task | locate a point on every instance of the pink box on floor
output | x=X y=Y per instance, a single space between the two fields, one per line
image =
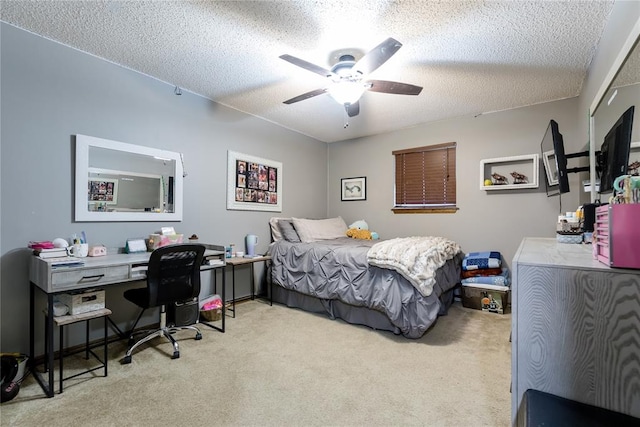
x=618 y=235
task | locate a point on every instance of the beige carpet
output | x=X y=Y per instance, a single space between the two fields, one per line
x=285 y=367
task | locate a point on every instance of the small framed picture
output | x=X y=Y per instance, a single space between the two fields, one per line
x=353 y=188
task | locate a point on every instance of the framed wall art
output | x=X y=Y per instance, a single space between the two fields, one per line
x=353 y=188
x=253 y=183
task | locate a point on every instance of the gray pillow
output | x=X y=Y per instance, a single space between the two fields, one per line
x=289 y=233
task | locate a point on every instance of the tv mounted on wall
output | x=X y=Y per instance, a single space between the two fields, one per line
x=614 y=152
x=554 y=159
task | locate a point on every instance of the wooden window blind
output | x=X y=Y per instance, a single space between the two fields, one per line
x=426 y=177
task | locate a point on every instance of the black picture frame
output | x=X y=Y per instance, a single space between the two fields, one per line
x=352 y=189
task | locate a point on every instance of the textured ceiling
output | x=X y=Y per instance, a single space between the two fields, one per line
x=471 y=57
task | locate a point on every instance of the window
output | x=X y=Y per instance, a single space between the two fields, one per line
x=426 y=179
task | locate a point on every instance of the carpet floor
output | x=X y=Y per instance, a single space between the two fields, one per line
x=277 y=366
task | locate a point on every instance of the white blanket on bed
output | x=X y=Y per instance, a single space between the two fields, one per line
x=415 y=258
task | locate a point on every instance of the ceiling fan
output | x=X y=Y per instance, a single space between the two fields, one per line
x=347 y=78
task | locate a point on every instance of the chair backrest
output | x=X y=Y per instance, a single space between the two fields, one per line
x=173 y=273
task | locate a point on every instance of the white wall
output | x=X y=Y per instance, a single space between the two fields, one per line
x=51 y=92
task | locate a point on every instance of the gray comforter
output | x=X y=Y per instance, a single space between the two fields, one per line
x=338 y=270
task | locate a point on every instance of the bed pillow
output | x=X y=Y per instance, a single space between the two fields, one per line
x=275 y=230
x=288 y=232
x=311 y=230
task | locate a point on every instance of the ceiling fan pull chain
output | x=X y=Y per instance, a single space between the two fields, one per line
x=346 y=116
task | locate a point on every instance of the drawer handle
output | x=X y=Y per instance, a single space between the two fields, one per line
x=92 y=278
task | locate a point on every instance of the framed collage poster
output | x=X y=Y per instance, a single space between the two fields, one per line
x=103 y=190
x=253 y=183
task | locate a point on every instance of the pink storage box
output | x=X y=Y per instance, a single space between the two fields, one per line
x=618 y=235
x=158 y=240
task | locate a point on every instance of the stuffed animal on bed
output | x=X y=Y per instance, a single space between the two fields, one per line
x=360 y=230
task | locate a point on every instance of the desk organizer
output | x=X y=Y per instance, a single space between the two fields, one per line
x=159 y=240
x=618 y=235
x=569 y=238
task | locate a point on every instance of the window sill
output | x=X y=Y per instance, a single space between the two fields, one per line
x=424 y=210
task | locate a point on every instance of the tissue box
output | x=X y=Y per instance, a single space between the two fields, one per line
x=83 y=302
x=159 y=240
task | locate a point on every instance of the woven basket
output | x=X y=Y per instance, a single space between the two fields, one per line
x=211 y=315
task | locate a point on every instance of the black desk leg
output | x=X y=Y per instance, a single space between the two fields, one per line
x=47 y=388
x=233 y=290
x=253 y=284
x=31 y=327
x=224 y=305
x=49 y=344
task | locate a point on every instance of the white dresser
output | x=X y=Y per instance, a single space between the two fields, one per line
x=575 y=327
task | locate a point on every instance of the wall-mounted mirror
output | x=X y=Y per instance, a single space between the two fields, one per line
x=619 y=91
x=116 y=181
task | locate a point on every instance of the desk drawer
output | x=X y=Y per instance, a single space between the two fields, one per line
x=89 y=276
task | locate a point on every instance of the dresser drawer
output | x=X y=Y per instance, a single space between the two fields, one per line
x=89 y=276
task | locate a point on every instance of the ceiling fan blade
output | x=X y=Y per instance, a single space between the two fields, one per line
x=306 y=95
x=377 y=56
x=307 y=65
x=385 y=86
x=352 y=109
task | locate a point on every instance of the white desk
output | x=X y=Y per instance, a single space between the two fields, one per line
x=576 y=327
x=96 y=272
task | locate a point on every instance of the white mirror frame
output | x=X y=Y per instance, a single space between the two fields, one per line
x=82 y=214
x=624 y=53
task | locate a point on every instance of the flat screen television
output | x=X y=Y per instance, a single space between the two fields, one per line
x=554 y=160
x=614 y=152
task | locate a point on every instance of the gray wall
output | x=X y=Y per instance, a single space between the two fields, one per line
x=622 y=19
x=51 y=92
x=486 y=220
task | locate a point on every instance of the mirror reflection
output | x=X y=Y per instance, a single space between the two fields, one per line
x=129 y=182
x=623 y=93
x=124 y=182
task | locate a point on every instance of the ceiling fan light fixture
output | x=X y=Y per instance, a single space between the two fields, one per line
x=346 y=92
x=347 y=79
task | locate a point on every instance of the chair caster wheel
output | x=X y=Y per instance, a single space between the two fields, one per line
x=198 y=336
x=126 y=360
x=176 y=355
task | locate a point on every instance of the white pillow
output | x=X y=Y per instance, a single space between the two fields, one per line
x=311 y=230
x=276 y=234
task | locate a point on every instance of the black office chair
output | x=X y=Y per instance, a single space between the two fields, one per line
x=173 y=276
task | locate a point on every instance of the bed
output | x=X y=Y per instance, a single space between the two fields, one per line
x=323 y=271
